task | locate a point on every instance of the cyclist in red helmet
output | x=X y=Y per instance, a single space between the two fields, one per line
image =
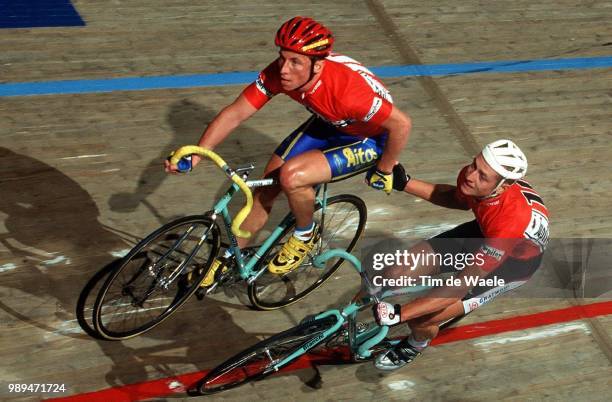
x=305 y=36
x=355 y=127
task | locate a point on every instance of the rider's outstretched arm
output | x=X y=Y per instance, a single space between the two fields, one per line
x=398 y=125
x=438 y=194
x=225 y=122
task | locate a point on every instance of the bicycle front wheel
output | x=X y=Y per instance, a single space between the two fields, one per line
x=261 y=360
x=343 y=220
x=156 y=277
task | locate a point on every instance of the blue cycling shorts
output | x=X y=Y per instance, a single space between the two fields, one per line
x=346 y=154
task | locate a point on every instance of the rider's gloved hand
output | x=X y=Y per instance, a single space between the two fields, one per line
x=379 y=180
x=400 y=177
x=387 y=313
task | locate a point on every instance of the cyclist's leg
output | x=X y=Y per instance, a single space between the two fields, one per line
x=304 y=167
x=307 y=164
x=263 y=199
x=338 y=157
x=464 y=238
x=319 y=153
x=297 y=177
x=427 y=327
x=514 y=272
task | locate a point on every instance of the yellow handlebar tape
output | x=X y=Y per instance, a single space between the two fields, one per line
x=246 y=209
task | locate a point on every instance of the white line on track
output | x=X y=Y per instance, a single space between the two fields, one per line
x=120 y=253
x=7 y=267
x=534 y=334
x=83 y=156
x=402 y=385
x=57 y=260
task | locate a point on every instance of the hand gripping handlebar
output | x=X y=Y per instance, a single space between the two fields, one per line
x=241 y=216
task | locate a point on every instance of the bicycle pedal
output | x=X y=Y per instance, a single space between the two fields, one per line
x=357 y=358
x=200 y=293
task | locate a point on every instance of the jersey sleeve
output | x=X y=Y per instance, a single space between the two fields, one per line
x=264 y=88
x=507 y=237
x=378 y=112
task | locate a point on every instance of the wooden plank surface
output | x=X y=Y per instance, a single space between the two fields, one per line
x=81 y=181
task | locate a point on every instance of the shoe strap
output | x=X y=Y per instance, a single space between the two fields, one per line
x=291 y=249
x=407 y=352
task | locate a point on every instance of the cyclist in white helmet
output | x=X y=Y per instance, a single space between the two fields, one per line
x=506 y=239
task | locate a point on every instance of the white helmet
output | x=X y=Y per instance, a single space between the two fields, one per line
x=506 y=159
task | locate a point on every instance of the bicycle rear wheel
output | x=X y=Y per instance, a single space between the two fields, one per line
x=156 y=277
x=259 y=361
x=343 y=221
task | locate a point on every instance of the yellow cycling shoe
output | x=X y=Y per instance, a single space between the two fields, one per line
x=292 y=254
x=209 y=278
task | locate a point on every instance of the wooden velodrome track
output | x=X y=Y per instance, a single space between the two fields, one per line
x=81 y=181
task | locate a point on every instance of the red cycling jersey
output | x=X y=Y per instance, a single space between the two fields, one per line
x=346 y=95
x=514 y=224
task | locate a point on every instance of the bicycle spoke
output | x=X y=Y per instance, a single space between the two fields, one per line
x=263 y=358
x=343 y=222
x=151 y=281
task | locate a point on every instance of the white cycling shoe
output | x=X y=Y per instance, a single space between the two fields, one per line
x=396 y=357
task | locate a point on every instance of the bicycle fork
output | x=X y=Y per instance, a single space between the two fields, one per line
x=176 y=272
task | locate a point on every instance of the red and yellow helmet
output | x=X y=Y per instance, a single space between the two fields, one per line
x=305 y=36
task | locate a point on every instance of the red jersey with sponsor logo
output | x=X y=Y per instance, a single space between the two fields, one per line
x=346 y=95
x=515 y=223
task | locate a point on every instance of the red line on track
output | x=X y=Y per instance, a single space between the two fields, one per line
x=523 y=322
x=177 y=384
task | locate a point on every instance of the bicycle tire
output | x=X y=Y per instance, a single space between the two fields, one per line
x=109 y=312
x=268 y=281
x=87 y=323
x=251 y=365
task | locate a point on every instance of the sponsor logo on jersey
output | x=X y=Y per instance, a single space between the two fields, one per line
x=259 y=84
x=537 y=229
x=492 y=252
x=376 y=86
x=376 y=104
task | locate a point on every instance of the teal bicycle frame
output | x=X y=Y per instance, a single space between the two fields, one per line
x=360 y=344
x=246 y=268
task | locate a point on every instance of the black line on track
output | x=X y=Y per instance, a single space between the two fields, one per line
x=409 y=56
